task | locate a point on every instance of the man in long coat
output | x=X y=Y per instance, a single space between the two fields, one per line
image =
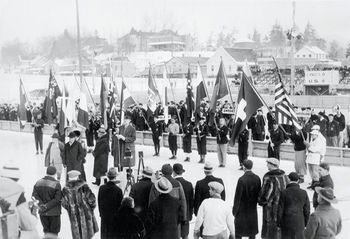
x=157 y=132
x=164 y=214
x=109 y=200
x=274 y=182
x=101 y=155
x=293 y=209
x=245 y=203
x=80 y=202
x=122 y=142
x=73 y=154
x=202 y=188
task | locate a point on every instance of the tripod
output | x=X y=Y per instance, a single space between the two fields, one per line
x=141 y=163
x=130 y=180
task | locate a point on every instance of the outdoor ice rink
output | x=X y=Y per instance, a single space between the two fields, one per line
x=20 y=148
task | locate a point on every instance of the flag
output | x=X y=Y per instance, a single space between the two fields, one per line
x=22 y=111
x=189 y=99
x=50 y=105
x=112 y=99
x=220 y=91
x=125 y=100
x=284 y=111
x=201 y=92
x=153 y=94
x=63 y=118
x=103 y=102
x=247 y=71
x=249 y=101
x=83 y=115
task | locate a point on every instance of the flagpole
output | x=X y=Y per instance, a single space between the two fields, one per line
x=204 y=83
x=155 y=84
x=171 y=87
x=228 y=86
x=24 y=90
x=79 y=43
x=87 y=87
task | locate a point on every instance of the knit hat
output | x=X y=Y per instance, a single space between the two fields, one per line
x=51 y=170
x=217 y=187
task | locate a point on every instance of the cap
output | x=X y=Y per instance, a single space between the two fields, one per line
x=55 y=136
x=273 y=161
x=315 y=127
x=73 y=174
x=293 y=176
x=163 y=185
x=178 y=168
x=72 y=135
x=324 y=166
x=101 y=130
x=51 y=170
x=217 y=187
x=167 y=169
x=314 y=131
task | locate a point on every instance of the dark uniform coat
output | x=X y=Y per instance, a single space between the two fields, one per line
x=118 y=152
x=73 y=156
x=187 y=138
x=245 y=205
x=109 y=198
x=202 y=191
x=164 y=217
x=325 y=182
x=140 y=193
x=293 y=212
x=100 y=153
x=202 y=131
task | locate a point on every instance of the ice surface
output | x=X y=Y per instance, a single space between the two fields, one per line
x=20 y=148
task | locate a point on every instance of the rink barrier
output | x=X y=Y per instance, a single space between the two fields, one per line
x=334 y=155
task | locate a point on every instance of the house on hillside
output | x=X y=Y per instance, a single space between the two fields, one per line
x=177 y=67
x=312 y=52
x=232 y=59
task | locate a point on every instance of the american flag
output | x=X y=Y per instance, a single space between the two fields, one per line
x=285 y=113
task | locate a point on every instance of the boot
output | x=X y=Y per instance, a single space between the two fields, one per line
x=97 y=182
x=201 y=159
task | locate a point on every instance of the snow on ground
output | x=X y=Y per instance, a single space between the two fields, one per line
x=20 y=148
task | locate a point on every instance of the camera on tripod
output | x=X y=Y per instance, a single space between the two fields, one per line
x=129 y=173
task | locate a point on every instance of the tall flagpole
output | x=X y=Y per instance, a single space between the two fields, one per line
x=79 y=44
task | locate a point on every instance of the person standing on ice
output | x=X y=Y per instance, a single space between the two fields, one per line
x=38 y=124
x=80 y=202
x=53 y=156
x=73 y=154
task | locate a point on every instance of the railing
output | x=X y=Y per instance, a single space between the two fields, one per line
x=334 y=155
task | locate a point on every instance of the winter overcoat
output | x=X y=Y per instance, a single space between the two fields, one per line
x=100 y=153
x=293 y=212
x=163 y=218
x=73 y=156
x=47 y=155
x=118 y=151
x=202 y=131
x=140 y=193
x=273 y=183
x=187 y=138
x=245 y=205
x=80 y=202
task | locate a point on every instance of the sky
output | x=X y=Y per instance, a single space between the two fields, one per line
x=29 y=20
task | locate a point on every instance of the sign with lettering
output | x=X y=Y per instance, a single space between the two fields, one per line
x=322 y=77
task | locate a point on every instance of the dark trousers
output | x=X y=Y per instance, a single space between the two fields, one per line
x=242 y=152
x=173 y=144
x=51 y=224
x=273 y=152
x=259 y=137
x=38 y=136
x=185 y=229
x=156 y=143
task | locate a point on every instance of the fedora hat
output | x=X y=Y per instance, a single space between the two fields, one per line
x=101 y=130
x=208 y=167
x=147 y=172
x=327 y=194
x=163 y=185
x=273 y=161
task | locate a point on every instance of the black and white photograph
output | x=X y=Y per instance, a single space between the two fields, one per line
x=174 y=119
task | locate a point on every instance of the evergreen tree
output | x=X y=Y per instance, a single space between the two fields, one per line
x=277 y=36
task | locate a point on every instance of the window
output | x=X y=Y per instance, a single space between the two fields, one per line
x=303 y=56
x=229 y=68
x=310 y=55
x=212 y=67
